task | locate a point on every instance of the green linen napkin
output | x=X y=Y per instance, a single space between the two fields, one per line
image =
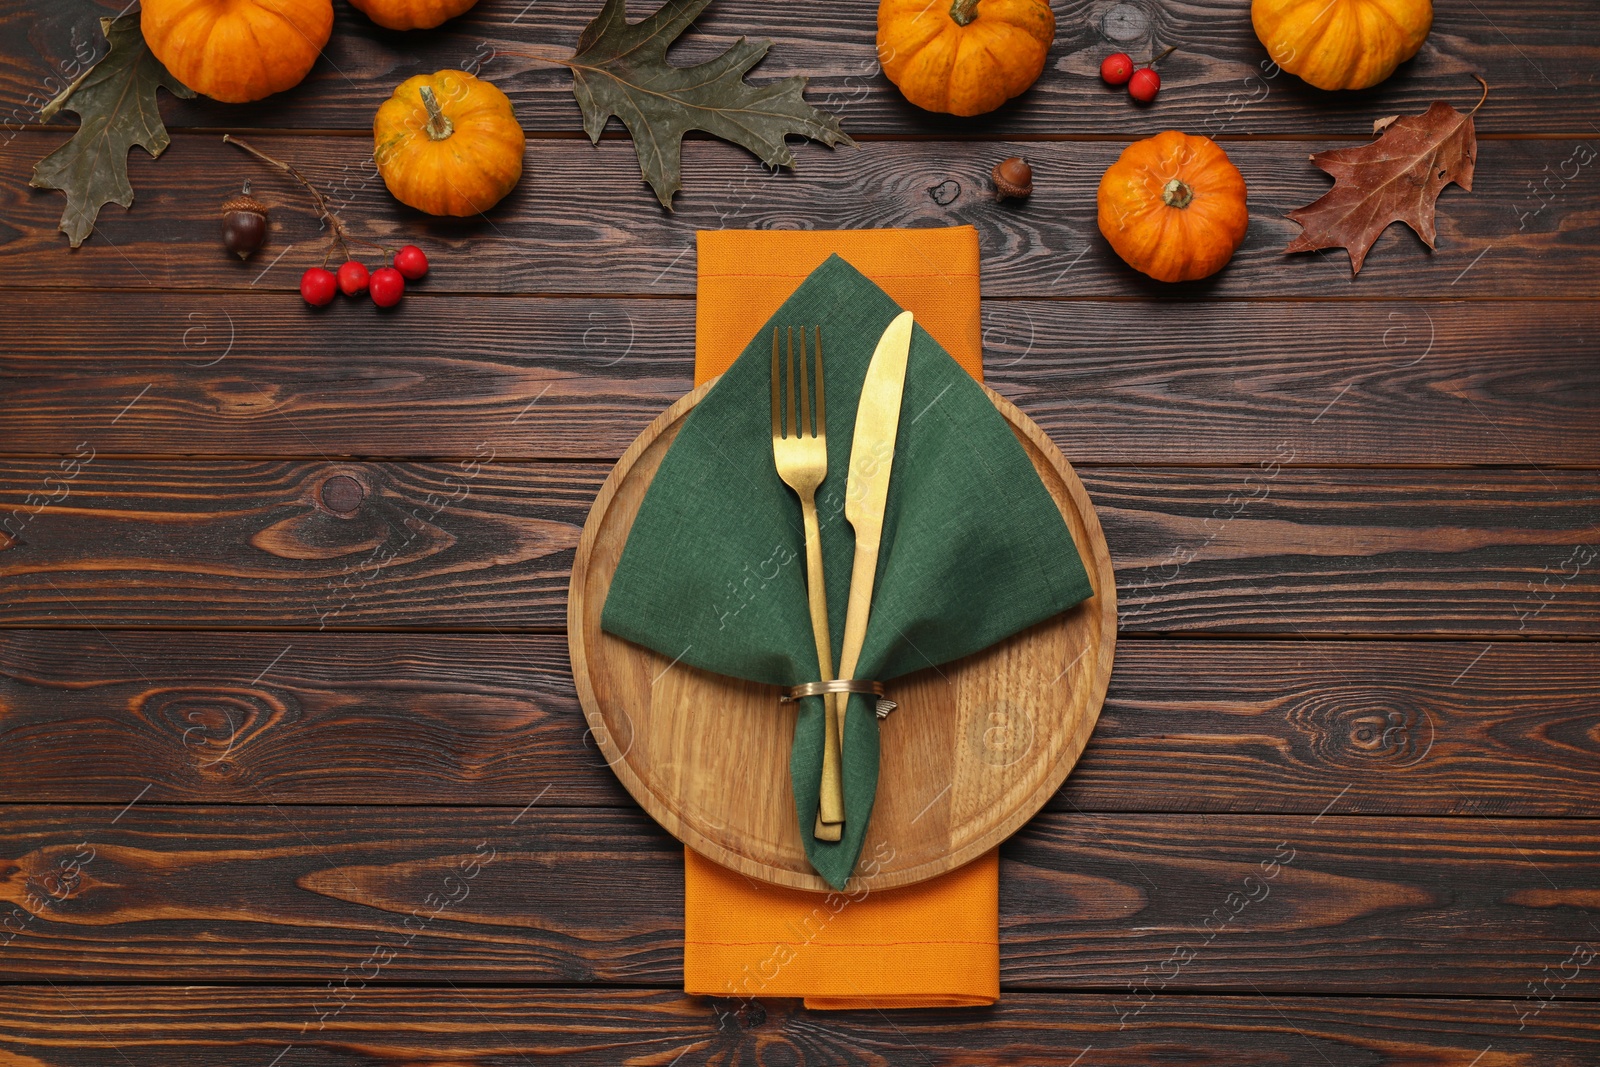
x=973 y=550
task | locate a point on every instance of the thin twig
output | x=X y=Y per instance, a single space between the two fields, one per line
x=335 y=224
x=542 y=59
x=1171 y=48
x=1482 y=98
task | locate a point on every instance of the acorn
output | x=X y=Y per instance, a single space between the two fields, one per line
x=244 y=224
x=1012 y=177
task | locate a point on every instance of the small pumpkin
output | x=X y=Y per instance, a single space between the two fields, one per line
x=967 y=58
x=1173 y=207
x=411 y=14
x=448 y=143
x=237 y=50
x=1341 y=44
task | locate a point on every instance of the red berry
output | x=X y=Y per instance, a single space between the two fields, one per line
x=1144 y=85
x=388 y=286
x=411 y=262
x=353 y=277
x=318 y=286
x=1116 y=68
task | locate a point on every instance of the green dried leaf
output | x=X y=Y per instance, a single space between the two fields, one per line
x=116 y=103
x=622 y=70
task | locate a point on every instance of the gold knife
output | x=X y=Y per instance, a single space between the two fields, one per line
x=867 y=488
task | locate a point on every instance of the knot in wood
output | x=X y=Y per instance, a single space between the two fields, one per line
x=1125 y=22
x=1372 y=730
x=342 y=494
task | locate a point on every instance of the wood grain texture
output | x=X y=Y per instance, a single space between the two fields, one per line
x=464 y=545
x=323 y=718
x=1267 y=549
x=1112 y=382
x=1249 y=865
x=1392 y=728
x=495 y=1027
x=707 y=756
x=1280 y=904
x=1386 y=727
x=260 y=373
x=1539 y=67
x=580 y=221
x=1327 y=552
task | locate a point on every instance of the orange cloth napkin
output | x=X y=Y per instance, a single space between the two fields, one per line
x=931 y=945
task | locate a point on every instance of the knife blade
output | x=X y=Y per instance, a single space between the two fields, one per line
x=867 y=487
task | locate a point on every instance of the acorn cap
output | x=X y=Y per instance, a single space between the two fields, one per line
x=245 y=202
x=1012 y=177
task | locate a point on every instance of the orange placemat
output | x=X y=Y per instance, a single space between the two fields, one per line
x=934 y=944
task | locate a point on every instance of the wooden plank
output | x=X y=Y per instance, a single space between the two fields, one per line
x=1390 y=728
x=255 y=373
x=1325 y=552
x=1426 y=728
x=477 y=546
x=1111 y=381
x=1275 y=904
x=463 y=545
x=1214 y=82
x=321 y=718
x=246 y=1027
x=581 y=221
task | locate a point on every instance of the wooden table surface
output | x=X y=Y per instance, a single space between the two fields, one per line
x=282 y=663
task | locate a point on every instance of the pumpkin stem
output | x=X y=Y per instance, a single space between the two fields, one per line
x=1176 y=194
x=963 y=11
x=439 y=125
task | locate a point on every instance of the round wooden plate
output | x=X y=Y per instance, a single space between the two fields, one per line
x=977 y=746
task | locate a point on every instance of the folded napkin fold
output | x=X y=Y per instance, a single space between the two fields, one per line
x=974 y=550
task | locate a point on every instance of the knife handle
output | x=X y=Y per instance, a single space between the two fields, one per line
x=832 y=794
x=862 y=575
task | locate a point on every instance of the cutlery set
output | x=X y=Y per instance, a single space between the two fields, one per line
x=800 y=454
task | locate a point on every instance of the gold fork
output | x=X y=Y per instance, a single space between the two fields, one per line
x=800 y=453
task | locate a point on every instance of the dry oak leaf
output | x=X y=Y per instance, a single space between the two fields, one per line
x=622 y=70
x=116 y=101
x=1395 y=178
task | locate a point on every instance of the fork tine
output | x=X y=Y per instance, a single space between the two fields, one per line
x=793 y=430
x=777 y=430
x=806 y=429
x=822 y=410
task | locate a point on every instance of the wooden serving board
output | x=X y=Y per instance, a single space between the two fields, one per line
x=977 y=746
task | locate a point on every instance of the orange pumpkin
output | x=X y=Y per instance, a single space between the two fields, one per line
x=411 y=14
x=237 y=50
x=1341 y=44
x=967 y=58
x=1173 y=206
x=448 y=144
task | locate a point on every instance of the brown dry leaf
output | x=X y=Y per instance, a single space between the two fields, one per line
x=1379 y=125
x=1395 y=178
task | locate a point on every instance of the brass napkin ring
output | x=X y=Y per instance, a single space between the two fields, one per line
x=840 y=685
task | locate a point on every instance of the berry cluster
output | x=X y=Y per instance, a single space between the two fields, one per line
x=1143 y=84
x=244 y=226
x=386 y=285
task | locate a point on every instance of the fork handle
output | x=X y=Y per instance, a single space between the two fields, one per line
x=830 y=809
